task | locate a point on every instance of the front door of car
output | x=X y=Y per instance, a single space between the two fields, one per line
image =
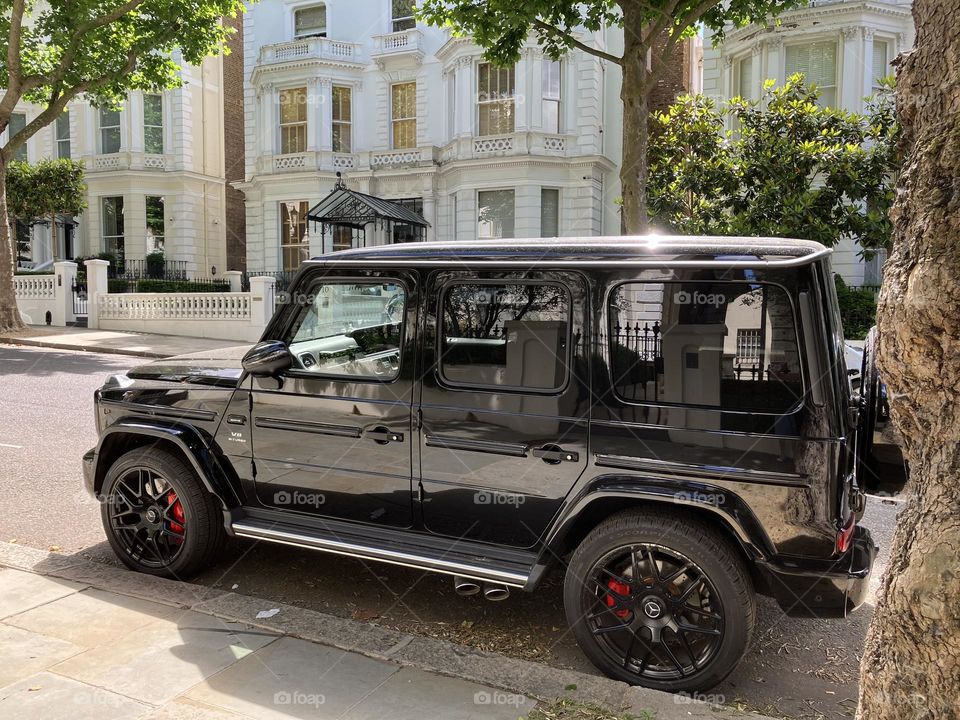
x=504 y=402
x=331 y=436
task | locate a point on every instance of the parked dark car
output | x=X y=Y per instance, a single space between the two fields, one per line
x=667 y=420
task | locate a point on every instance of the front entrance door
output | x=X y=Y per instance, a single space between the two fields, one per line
x=504 y=402
x=332 y=436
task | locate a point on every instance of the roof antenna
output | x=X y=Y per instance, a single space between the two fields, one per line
x=339 y=185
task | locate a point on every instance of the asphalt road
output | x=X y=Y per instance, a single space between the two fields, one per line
x=795 y=668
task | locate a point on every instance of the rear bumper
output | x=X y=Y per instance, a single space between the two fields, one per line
x=823 y=588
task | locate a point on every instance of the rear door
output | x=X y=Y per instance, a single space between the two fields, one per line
x=504 y=402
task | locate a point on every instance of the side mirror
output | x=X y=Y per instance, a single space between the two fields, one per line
x=268 y=359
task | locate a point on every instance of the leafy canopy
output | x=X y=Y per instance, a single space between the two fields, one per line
x=791 y=168
x=50 y=187
x=54 y=50
x=502 y=26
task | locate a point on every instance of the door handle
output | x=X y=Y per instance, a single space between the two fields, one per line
x=553 y=454
x=383 y=436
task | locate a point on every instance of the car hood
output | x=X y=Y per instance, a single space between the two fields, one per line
x=220 y=367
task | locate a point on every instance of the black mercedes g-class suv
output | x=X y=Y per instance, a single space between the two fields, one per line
x=668 y=420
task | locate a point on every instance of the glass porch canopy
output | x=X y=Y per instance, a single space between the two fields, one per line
x=346 y=214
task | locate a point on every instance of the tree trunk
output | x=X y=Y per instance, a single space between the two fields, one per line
x=911 y=663
x=9 y=314
x=634 y=92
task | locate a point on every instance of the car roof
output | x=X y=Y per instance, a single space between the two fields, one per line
x=641 y=250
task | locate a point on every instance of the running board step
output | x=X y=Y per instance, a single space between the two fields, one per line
x=407 y=548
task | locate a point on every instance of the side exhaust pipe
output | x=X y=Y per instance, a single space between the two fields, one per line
x=465 y=586
x=495 y=593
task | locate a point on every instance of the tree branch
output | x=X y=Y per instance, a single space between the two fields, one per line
x=58 y=103
x=545 y=27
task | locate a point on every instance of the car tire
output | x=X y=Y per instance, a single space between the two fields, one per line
x=641 y=632
x=158 y=516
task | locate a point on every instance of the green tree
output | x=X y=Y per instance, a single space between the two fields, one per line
x=790 y=168
x=58 y=50
x=651 y=31
x=40 y=192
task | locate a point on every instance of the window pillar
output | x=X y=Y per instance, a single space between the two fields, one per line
x=466 y=96
x=267 y=137
x=325 y=114
x=536 y=102
x=523 y=94
x=854 y=65
x=135 y=141
x=868 y=75
x=314 y=111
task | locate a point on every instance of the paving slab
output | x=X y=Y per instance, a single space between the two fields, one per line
x=293 y=678
x=413 y=694
x=187 y=709
x=126 y=582
x=101 y=615
x=20 y=591
x=165 y=658
x=26 y=653
x=22 y=557
x=46 y=696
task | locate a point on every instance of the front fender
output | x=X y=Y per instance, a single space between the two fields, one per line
x=720 y=503
x=127 y=433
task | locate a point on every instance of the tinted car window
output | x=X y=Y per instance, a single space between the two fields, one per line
x=510 y=335
x=350 y=329
x=715 y=344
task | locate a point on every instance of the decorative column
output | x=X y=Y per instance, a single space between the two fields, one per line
x=135 y=141
x=774 y=67
x=314 y=110
x=868 y=77
x=96 y=287
x=65 y=272
x=464 y=98
x=325 y=114
x=756 y=71
x=523 y=91
x=535 y=103
x=850 y=84
x=266 y=123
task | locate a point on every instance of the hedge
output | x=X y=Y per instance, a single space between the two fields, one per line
x=858 y=310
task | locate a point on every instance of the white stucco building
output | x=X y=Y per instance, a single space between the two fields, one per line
x=843 y=46
x=407 y=112
x=154 y=172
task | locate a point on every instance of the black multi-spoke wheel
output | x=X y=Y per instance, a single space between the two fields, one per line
x=659 y=600
x=159 y=519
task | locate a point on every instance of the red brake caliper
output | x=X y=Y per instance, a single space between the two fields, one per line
x=179 y=519
x=621 y=589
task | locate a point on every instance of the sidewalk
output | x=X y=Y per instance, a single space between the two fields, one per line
x=86 y=640
x=111 y=341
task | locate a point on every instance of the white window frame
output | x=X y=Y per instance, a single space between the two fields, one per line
x=282 y=126
x=155 y=243
x=481 y=235
x=161 y=126
x=739 y=79
x=510 y=99
x=887 y=44
x=101 y=128
x=309 y=6
x=394 y=120
x=559 y=205
x=304 y=242
x=548 y=97
x=343 y=123
x=837 y=69
x=58 y=141
x=23 y=153
x=123 y=235
x=403 y=19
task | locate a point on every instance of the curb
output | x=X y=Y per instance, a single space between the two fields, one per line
x=424 y=653
x=35 y=342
